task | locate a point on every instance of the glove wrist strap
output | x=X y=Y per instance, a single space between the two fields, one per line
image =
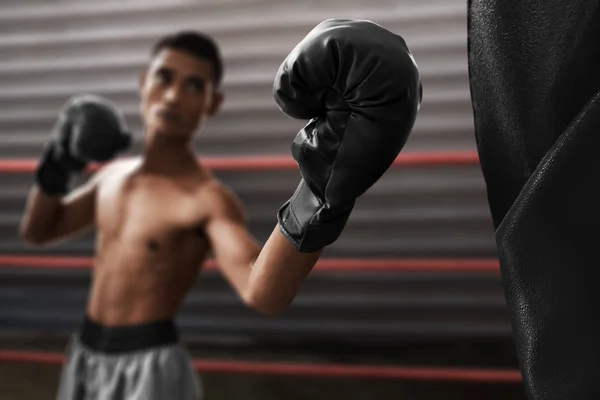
x=51 y=176
x=308 y=223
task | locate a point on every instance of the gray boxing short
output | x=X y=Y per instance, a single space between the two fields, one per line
x=142 y=362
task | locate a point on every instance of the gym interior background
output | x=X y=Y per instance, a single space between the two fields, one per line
x=411 y=291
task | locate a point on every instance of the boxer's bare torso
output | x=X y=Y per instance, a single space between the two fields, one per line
x=151 y=233
x=150 y=241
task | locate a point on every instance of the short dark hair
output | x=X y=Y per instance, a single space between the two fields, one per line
x=197 y=44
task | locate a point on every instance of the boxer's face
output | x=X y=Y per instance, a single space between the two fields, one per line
x=177 y=93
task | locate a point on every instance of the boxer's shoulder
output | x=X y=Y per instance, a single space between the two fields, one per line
x=114 y=177
x=121 y=167
x=219 y=199
x=124 y=166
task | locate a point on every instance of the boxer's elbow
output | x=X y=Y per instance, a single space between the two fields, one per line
x=265 y=303
x=266 y=309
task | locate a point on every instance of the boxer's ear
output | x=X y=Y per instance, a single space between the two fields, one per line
x=217 y=101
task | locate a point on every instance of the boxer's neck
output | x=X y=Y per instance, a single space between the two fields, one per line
x=168 y=156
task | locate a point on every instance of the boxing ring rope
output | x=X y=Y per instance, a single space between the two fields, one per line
x=464 y=375
x=280 y=162
x=329 y=264
x=267 y=163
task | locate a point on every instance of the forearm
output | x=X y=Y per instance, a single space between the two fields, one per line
x=41 y=216
x=235 y=250
x=277 y=274
x=266 y=278
x=238 y=274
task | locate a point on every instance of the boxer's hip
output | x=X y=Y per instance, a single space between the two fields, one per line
x=145 y=361
x=127 y=339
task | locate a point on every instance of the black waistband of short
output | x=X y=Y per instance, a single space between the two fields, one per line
x=121 y=339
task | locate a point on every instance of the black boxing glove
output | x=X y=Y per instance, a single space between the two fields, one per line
x=89 y=129
x=360 y=86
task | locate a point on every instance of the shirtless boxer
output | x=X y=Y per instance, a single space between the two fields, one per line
x=158 y=216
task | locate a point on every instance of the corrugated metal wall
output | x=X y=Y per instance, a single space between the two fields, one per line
x=50 y=50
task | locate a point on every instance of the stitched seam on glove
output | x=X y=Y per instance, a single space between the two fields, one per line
x=308 y=137
x=286 y=233
x=290 y=211
x=335 y=159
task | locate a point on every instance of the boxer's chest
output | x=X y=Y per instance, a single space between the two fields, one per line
x=148 y=211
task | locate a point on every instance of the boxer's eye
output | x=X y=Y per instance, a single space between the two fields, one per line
x=195 y=85
x=163 y=76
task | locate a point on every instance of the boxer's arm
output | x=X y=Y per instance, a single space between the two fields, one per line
x=88 y=129
x=266 y=279
x=234 y=249
x=278 y=274
x=48 y=219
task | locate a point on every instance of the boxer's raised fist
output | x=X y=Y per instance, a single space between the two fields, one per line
x=89 y=129
x=360 y=86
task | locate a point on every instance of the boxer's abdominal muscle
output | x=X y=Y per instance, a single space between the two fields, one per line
x=149 y=249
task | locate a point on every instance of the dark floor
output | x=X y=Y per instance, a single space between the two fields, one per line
x=38 y=382
x=29 y=382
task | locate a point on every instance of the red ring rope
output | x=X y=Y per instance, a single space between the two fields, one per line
x=279 y=162
x=331 y=264
x=313 y=370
